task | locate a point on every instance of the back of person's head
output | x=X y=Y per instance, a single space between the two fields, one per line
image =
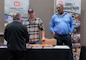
x=16 y=16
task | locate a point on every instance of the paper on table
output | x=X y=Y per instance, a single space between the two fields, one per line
x=3 y=46
x=48 y=47
x=61 y=47
x=37 y=47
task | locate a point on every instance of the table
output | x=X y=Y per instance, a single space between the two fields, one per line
x=41 y=54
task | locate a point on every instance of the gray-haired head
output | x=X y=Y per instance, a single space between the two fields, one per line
x=61 y=5
x=16 y=16
x=60 y=8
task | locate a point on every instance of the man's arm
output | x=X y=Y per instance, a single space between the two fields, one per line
x=43 y=35
x=51 y=25
x=26 y=35
x=41 y=27
x=5 y=34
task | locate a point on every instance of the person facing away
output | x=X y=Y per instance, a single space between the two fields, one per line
x=77 y=24
x=34 y=25
x=16 y=35
x=61 y=26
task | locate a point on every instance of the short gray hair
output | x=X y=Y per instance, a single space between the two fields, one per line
x=16 y=16
x=60 y=5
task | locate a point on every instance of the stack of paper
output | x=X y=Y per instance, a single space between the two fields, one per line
x=61 y=47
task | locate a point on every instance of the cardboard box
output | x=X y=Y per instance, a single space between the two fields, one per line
x=51 y=41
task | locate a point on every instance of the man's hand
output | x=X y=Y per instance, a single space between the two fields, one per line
x=27 y=44
x=43 y=39
x=71 y=33
x=53 y=33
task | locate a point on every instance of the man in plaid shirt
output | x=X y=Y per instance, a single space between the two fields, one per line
x=34 y=26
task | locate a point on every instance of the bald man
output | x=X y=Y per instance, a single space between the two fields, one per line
x=61 y=26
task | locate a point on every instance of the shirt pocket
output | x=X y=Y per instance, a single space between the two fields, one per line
x=57 y=21
x=66 y=20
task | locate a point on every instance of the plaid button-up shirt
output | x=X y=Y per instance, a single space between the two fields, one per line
x=34 y=27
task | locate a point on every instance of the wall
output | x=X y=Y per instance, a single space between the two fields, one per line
x=83 y=30
x=83 y=23
x=1 y=21
x=44 y=9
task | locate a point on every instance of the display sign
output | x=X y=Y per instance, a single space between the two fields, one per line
x=12 y=6
x=71 y=5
